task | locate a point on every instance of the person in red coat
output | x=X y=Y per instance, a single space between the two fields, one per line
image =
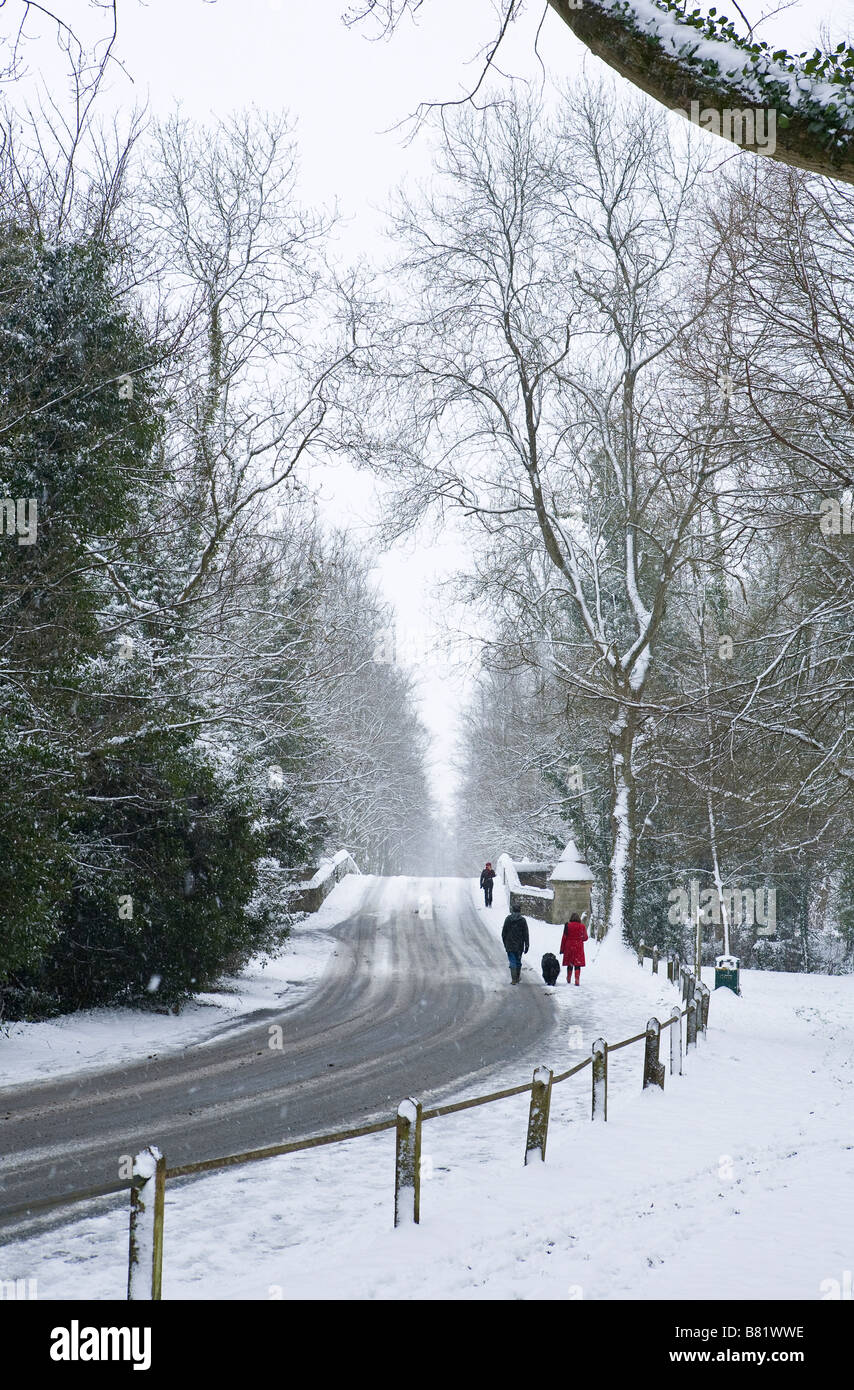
x=572 y=947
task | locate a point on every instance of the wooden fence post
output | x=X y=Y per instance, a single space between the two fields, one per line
x=641 y=952
x=145 y=1245
x=691 y=1025
x=676 y=1041
x=655 y=960
x=538 y=1115
x=705 y=995
x=407 y=1169
x=599 y=1068
x=653 y=1070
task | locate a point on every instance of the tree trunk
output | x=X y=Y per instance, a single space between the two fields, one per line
x=616 y=37
x=621 y=868
x=710 y=805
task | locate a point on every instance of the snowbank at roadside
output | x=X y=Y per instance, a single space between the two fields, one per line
x=96 y=1038
x=735 y=1182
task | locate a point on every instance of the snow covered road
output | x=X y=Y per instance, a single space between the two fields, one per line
x=414 y=998
x=735 y=1183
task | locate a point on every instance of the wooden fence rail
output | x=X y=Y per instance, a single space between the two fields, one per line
x=145 y=1260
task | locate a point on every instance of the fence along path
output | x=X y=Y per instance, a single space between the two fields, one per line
x=150 y=1173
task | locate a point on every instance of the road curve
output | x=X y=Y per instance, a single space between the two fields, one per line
x=415 y=998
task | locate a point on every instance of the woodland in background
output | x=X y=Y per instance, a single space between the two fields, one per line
x=190 y=708
x=627 y=363
x=638 y=376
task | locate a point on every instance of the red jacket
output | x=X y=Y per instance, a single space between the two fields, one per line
x=572 y=943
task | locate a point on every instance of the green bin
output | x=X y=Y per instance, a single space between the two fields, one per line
x=726 y=973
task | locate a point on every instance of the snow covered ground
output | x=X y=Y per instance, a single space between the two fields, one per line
x=93 y=1038
x=736 y=1181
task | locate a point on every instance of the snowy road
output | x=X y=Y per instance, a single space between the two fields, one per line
x=415 y=998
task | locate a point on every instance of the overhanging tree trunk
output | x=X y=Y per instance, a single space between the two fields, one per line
x=615 y=36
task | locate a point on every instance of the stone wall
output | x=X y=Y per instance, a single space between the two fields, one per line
x=529 y=900
x=310 y=895
x=531 y=905
x=527 y=890
x=534 y=878
x=569 y=898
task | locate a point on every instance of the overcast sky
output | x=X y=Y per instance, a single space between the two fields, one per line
x=349 y=97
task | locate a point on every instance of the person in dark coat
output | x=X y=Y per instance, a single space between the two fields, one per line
x=572 y=947
x=486 y=878
x=514 y=934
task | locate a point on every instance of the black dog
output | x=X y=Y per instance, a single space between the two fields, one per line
x=550 y=967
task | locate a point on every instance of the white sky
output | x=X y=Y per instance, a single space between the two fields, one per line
x=348 y=95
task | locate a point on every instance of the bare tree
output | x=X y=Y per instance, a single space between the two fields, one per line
x=682 y=56
x=540 y=371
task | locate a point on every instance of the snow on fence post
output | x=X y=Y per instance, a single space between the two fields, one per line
x=655 y=960
x=145 y=1246
x=676 y=1041
x=691 y=1025
x=641 y=952
x=407 y=1171
x=599 y=1068
x=538 y=1115
x=653 y=1070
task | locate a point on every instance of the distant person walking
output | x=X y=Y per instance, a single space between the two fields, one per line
x=514 y=934
x=486 y=877
x=572 y=947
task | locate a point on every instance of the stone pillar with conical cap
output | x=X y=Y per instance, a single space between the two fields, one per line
x=571 y=881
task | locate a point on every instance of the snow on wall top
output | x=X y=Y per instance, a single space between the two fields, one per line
x=506 y=869
x=328 y=867
x=507 y=872
x=571 y=867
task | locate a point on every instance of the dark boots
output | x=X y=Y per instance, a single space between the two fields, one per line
x=515 y=972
